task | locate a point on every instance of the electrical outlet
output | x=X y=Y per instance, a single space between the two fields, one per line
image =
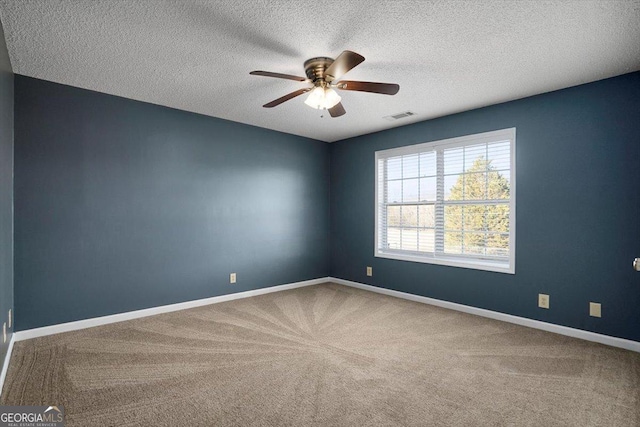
x=232 y=278
x=543 y=300
x=369 y=271
x=595 y=309
x=9 y=316
x=4 y=332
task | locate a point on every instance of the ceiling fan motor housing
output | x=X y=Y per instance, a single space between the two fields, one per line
x=315 y=68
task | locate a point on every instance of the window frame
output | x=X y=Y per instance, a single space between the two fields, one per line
x=452 y=260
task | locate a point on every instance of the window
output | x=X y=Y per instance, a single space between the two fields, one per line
x=449 y=202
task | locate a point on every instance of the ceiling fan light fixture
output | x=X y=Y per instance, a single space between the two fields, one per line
x=325 y=74
x=323 y=98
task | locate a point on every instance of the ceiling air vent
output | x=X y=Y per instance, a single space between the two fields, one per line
x=399 y=116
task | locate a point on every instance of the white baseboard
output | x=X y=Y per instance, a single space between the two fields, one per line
x=550 y=327
x=5 y=365
x=97 y=321
x=120 y=317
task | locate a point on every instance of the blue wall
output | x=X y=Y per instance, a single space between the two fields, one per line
x=122 y=205
x=6 y=192
x=578 y=209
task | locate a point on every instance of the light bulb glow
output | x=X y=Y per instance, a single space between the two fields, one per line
x=315 y=98
x=322 y=98
x=331 y=98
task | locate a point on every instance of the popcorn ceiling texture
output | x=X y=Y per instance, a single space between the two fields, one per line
x=447 y=56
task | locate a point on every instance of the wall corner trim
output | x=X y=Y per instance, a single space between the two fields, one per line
x=120 y=317
x=5 y=365
x=523 y=321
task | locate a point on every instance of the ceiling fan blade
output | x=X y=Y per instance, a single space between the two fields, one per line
x=337 y=110
x=278 y=75
x=287 y=97
x=373 y=87
x=346 y=61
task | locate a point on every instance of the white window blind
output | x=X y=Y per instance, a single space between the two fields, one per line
x=449 y=202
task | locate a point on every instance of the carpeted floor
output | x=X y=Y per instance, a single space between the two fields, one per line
x=324 y=355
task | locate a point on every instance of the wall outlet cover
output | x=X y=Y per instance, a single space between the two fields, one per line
x=232 y=278
x=595 y=309
x=543 y=300
x=369 y=271
x=10 y=316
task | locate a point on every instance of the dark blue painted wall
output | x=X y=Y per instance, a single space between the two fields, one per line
x=578 y=209
x=122 y=205
x=6 y=192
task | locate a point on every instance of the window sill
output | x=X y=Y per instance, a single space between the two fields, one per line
x=486 y=265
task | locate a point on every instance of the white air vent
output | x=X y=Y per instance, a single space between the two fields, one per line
x=399 y=116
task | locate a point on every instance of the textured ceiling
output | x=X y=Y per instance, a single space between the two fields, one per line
x=447 y=56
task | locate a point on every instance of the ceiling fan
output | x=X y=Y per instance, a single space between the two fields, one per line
x=324 y=74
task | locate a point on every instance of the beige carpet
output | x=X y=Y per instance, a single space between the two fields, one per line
x=324 y=355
